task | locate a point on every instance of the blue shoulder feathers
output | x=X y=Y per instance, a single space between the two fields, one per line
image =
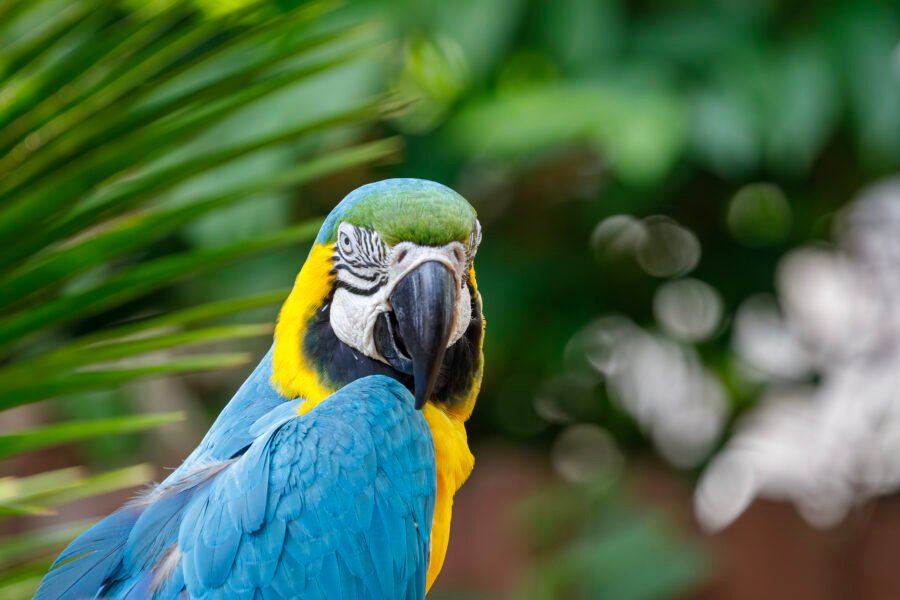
x=334 y=504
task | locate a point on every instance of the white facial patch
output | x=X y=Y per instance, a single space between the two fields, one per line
x=366 y=272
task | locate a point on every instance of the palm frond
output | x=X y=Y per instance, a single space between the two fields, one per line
x=74 y=431
x=41 y=494
x=100 y=110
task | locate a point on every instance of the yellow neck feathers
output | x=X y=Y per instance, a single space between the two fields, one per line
x=454 y=462
x=292 y=374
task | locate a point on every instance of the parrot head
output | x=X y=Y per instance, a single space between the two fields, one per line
x=388 y=288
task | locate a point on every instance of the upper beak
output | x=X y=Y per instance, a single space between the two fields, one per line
x=424 y=304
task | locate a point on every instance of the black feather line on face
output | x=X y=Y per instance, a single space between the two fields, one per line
x=346 y=267
x=358 y=291
x=363 y=258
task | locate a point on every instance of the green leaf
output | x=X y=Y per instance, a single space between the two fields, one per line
x=143 y=228
x=94 y=485
x=54 y=193
x=164 y=179
x=53 y=88
x=582 y=34
x=204 y=312
x=107 y=68
x=54 y=488
x=64 y=23
x=83 y=348
x=16 y=549
x=802 y=109
x=25 y=374
x=725 y=131
x=114 y=84
x=11 y=10
x=71 y=383
x=12 y=578
x=73 y=431
x=37 y=238
x=25 y=586
x=13 y=509
x=641 y=131
x=142 y=279
x=124 y=130
x=56 y=267
x=16 y=490
x=482 y=29
x=864 y=41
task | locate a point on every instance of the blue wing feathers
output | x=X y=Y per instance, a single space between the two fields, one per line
x=334 y=504
x=155 y=529
x=83 y=568
x=233 y=429
x=325 y=483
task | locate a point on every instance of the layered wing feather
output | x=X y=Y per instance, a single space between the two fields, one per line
x=231 y=431
x=334 y=504
x=102 y=546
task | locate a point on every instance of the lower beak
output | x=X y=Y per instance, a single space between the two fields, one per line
x=424 y=306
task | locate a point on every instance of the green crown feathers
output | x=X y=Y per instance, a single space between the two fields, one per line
x=411 y=210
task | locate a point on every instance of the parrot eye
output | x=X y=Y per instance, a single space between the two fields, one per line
x=345 y=241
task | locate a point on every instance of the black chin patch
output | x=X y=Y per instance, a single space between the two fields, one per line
x=462 y=362
x=340 y=364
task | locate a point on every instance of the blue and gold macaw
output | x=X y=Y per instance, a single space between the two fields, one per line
x=331 y=473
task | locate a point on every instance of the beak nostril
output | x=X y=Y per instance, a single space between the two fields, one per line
x=401 y=254
x=459 y=255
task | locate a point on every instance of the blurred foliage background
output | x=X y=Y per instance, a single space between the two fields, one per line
x=643 y=172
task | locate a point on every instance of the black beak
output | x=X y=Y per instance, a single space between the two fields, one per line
x=414 y=337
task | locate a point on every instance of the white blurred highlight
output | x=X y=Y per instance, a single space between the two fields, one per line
x=668 y=249
x=688 y=309
x=765 y=344
x=829 y=447
x=661 y=246
x=662 y=384
x=586 y=453
x=617 y=235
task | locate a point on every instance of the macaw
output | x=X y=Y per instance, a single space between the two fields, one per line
x=331 y=472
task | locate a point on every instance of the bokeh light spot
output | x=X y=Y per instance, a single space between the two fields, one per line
x=617 y=236
x=667 y=249
x=759 y=215
x=586 y=453
x=688 y=309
